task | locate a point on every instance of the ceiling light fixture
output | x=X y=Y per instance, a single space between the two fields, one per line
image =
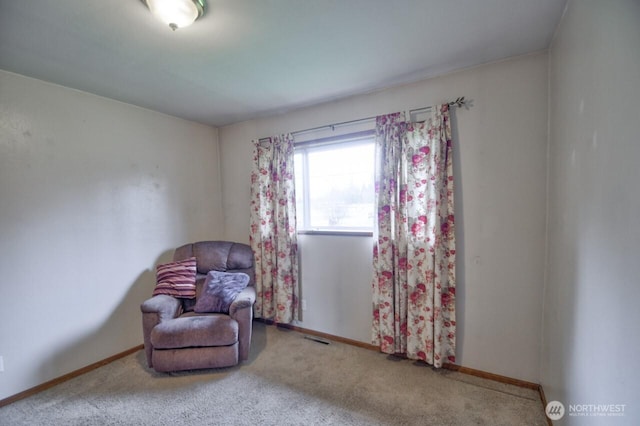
x=176 y=13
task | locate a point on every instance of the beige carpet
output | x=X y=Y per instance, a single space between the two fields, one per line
x=289 y=380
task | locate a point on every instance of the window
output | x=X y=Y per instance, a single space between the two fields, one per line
x=335 y=184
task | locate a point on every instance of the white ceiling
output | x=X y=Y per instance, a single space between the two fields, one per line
x=251 y=58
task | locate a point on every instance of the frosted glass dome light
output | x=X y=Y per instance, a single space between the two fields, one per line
x=176 y=13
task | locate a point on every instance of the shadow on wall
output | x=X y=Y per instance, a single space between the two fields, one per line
x=114 y=335
x=127 y=316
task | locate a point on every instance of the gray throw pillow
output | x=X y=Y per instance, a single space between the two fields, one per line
x=220 y=290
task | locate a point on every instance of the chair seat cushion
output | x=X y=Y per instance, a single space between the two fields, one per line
x=190 y=331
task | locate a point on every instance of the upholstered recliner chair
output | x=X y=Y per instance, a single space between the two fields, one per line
x=177 y=338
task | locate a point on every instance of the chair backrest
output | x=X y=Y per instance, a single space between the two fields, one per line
x=225 y=256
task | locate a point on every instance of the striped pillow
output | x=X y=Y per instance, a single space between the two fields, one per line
x=177 y=279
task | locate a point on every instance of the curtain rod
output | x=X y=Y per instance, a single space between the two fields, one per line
x=457 y=103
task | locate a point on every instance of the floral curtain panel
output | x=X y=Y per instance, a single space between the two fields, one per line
x=273 y=235
x=414 y=253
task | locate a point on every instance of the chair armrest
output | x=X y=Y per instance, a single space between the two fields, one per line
x=241 y=310
x=245 y=299
x=166 y=307
x=155 y=310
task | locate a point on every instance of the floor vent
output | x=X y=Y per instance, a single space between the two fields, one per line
x=317 y=339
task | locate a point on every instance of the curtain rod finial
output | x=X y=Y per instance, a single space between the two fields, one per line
x=459 y=102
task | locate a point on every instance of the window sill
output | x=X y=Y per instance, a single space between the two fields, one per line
x=336 y=233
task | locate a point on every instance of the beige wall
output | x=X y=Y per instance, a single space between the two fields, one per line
x=93 y=193
x=591 y=315
x=500 y=211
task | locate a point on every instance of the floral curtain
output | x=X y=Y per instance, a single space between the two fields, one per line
x=414 y=253
x=273 y=229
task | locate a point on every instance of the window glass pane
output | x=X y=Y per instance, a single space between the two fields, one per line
x=341 y=186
